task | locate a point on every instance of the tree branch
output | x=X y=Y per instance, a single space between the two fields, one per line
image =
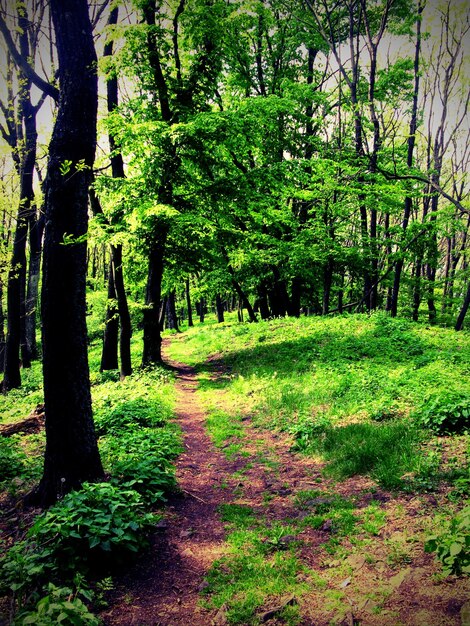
x=22 y=63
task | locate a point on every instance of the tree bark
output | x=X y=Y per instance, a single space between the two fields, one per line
x=109 y=352
x=71 y=456
x=463 y=310
x=219 y=306
x=188 y=304
x=36 y=230
x=16 y=335
x=152 y=344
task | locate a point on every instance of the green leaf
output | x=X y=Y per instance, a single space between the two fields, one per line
x=455 y=548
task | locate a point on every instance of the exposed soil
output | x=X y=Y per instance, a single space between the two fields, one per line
x=371 y=589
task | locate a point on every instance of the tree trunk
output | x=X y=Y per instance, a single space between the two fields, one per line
x=36 y=230
x=152 y=352
x=17 y=274
x=188 y=304
x=327 y=282
x=117 y=168
x=263 y=301
x=219 y=305
x=71 y=456
x=123 y=310
x=463 y=310
x=417 y=291
x=109 y=353
x=202 y=306
x=409 y=161
x=172 y=318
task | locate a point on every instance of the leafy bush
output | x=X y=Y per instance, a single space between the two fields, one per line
x=163 y=443
x=452 y=547
x=153 y=478
x=61 y=605
x=11 y=458
x=130 y=414
x=88 y=529
x=142 y=461
x=445 y=413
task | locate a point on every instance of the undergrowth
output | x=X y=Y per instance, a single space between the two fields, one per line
x=55 y=574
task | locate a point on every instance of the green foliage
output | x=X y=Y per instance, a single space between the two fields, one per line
x=61 y=605
x=12 y=458
x=445 y=412
x=142 y=460
x=136 y=413
x=88 y=529
x=452 y=546
x=384 y=451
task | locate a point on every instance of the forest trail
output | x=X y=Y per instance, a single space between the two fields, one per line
x=163 y=587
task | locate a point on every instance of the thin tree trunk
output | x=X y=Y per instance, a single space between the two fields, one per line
x=109 y=353
x=188 y=304
x=36 y=230
x=125 y=323
x=172 y=318
x=219 y=305
x=152 y=340
x=202 y=306
x=463 y=310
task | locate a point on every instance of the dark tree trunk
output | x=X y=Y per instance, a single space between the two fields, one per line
x=417 y=291
x=152 y=352
x=16 y=335
x=123 y=310
x=36 y=229
x=244 y=300
x=117 y=168
x=219 y=305
x=411 y=145
x=2 y=332
x=71 y=456
x=162 y=313
x=202 y=307
x=172 y=318
x=263 y=301
x=327 y=282
x=109 y=353
x=463 y=310
x=296 y=293
x=188 y=304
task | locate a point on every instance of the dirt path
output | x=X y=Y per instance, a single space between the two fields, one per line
x=163 y=588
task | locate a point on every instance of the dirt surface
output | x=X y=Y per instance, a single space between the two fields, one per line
x=163 y=588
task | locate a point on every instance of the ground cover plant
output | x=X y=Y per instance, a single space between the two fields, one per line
x=54 y=571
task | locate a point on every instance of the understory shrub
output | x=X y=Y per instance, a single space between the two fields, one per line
x=131 y=414
x=445 y=413
x=142 y=460
x=452 y=546
x=61 y=605
x=90 y=529
x=12 y=458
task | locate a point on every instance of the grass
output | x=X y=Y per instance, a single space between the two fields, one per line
x=258 y=570
x=346 y=388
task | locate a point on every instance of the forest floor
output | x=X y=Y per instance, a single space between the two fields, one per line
x=377 y=575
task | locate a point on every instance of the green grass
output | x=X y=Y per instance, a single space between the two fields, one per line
x=258 y=570
x=346 y=388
